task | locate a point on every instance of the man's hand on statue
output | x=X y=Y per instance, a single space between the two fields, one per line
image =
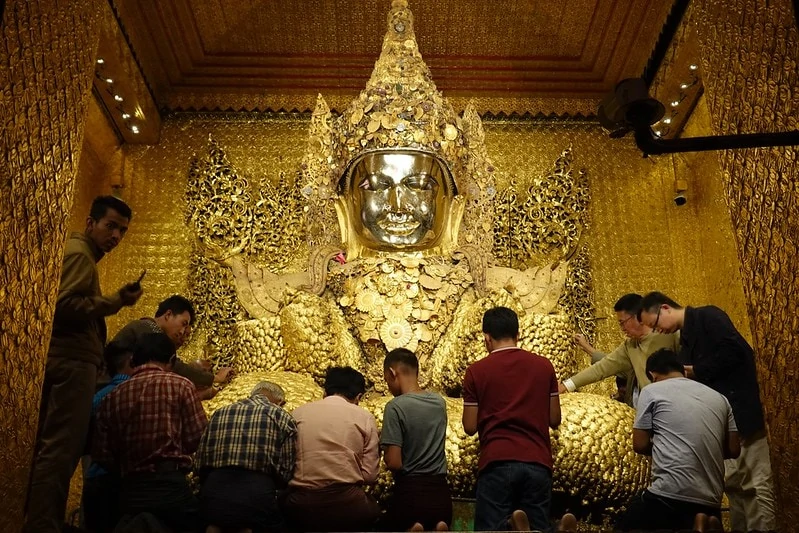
x=582 y=342
x=130 y=294
x=223 y=375
x=207 y=393
x=562 y=388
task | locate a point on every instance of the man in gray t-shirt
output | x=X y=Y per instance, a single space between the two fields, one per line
x=412 y=438
x=416 y=422
x=689 y=430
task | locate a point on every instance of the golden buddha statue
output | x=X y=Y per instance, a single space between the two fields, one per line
x=397 y=196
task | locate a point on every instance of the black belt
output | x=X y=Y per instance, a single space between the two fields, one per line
x=169 y=465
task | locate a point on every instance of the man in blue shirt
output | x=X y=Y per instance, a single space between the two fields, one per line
x=101 y=488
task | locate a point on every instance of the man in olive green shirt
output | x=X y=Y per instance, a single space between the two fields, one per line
x=73 y=358
x=630 y=355
x=174 y=316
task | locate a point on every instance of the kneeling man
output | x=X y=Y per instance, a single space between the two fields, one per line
x=337 y=453
x=689 y=430
x=246 y=454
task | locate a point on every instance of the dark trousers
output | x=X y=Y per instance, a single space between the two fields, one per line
x=64 y=414
x=165 y=495
x=505 y=486
x=425 y=499
x=649 y=511
x=235 y=499
x=333 y=508
x=101 y=502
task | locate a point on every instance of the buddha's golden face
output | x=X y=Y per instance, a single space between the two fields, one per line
x=399 y=199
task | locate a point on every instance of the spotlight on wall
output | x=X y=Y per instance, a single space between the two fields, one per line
x=628 y=104
x=630 y=108
x=680 y=190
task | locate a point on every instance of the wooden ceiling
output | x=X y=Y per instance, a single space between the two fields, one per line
x=539 y=57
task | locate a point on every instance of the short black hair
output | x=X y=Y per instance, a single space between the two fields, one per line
x=153 y=347
x=653 y=300
x=401 y=357
x=344 y=380
x=102 y=204
x=114 y=355
x=501 y=323
x=629 y=303
x=663 y=361
x=178 y=305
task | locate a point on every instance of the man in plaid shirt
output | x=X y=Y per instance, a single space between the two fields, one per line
x=146 y=430
x=245 y=455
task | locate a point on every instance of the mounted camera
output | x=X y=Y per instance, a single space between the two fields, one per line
x=680 y=189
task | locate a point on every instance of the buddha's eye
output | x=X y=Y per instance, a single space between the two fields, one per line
x=420 y=182
x=376 y=182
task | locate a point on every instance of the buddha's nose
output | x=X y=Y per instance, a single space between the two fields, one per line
x=396 y=198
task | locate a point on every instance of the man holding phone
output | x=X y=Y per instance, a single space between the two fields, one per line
x=75 y=353
x=174 y=316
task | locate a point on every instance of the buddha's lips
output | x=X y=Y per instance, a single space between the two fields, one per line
x=401 y=224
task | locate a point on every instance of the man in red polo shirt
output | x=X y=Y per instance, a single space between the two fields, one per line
x=511 y=399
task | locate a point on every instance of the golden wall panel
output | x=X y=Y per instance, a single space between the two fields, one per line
x=155 y=180
x=750 y=52
x=639 y=240
x=706 y=189
x=46 y=64
x=97 y=157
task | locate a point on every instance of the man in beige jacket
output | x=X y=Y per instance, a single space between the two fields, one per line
x=73 y=359
x=630 y=355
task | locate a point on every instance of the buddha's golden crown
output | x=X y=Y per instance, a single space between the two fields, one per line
x=400 y=108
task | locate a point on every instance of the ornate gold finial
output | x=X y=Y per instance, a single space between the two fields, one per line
x=400 y=108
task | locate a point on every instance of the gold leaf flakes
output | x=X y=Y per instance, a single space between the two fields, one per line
x=429 y=282
x=450 y=132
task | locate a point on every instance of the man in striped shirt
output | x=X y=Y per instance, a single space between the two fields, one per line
x=146 y=430
x=247 y=454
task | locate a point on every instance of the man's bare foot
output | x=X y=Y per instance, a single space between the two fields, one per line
x=518 y=521
x=714 y=524
x=568 y=523
x=700 y=522
x=442 y=526
x=417 y=527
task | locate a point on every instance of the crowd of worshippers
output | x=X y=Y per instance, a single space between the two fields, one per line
x=261 y=468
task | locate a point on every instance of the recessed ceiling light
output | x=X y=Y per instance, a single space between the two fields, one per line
x=109 y=80
x=100 y=61
x=117 y=98
x=125 y=116
x=675 y=103
x=134 y=129
x=693 y=67
x=667 y=121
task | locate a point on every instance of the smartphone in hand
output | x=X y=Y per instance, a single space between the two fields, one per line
x=136 y=285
